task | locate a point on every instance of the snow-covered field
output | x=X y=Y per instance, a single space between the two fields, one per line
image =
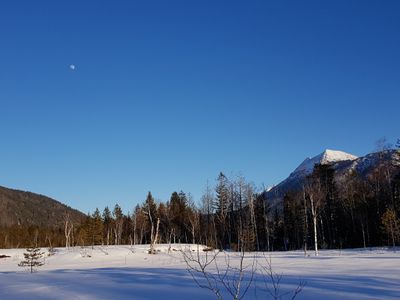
x=123 y=272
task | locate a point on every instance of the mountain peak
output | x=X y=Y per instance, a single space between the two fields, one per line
x=329 y=156
x=326 y=157
x=343 y=164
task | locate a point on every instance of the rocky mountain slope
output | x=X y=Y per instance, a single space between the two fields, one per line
x=342 y=162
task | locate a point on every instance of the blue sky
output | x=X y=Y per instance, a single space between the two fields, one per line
x=166 y=94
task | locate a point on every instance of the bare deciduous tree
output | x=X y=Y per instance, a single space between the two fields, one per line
x=234 y=279
x=155 y=238
x=68 y=230
x=315 y=194
x=193 y=217
x=118 y=224
x=391 y=225
x=272 y=282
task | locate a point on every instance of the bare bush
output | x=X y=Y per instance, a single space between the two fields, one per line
x=272 y=282
x=233 y=279
x=225 y=276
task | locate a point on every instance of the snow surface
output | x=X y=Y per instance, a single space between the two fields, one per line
x=125 y=272
x=328 y=156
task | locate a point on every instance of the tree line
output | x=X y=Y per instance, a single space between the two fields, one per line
x=327 y=212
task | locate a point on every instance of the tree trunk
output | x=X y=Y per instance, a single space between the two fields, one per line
x=392 y=233
x=193 y=235
x=266 y=226
x=305 y=236
x=314 y=216
x=363 y=235
x=155 y=237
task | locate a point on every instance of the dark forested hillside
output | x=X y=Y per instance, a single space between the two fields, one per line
x=26 y=208
x=28 y=219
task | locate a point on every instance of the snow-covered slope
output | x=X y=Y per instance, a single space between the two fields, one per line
x=341 y=161
x=326 y=157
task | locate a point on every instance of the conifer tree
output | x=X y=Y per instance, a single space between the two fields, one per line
x=222 y=206
x=222 y=192
x=177 y=207
x=32 y=258
x=96 y=228
x=150 y=205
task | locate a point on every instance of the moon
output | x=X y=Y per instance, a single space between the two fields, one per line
x=72 y=67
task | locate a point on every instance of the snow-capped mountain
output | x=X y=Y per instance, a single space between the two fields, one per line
x=326 y=157
x=341 y=161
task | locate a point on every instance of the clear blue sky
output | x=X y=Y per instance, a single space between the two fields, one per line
x=166 y=94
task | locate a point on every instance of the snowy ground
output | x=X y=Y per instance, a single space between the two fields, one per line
x=123 y=272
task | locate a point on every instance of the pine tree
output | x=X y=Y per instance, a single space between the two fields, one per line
x=96 y=228
x=222 y=206
x=222 y=193
x=177 y=210
x=32 y=258
x=85 y=232
x=150 y=205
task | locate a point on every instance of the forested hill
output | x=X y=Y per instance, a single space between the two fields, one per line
x=26 y=208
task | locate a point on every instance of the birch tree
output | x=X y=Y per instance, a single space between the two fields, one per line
x=68 y=230
x=149 y=209
x=118 y=224
x=193 y=217
x=315 y=194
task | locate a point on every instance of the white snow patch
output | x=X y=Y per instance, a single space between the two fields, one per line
x=326 y=157
x=126 y=272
